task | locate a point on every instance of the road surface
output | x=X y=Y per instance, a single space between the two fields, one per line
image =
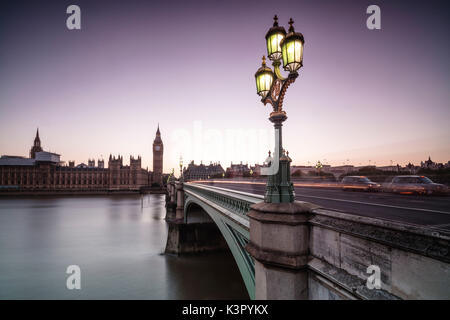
x=430 y=211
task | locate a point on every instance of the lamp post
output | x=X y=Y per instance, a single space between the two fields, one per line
x=286 y=48
x=319 y=167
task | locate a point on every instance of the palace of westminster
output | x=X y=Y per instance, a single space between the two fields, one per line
x=44 y=171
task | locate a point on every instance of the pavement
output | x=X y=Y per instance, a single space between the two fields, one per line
x=429 y=211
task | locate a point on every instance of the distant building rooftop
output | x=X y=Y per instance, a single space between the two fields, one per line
x=16 y=161
x=14 y=157
x=47 y=156
x=41 y=156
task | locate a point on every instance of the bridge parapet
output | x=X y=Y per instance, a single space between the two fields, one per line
x=414 y=262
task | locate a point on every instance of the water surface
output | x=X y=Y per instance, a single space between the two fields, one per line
x=118 y=242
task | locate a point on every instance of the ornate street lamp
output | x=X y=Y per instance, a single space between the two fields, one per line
x=272 y=86
x=264 y=79
x=319 y=167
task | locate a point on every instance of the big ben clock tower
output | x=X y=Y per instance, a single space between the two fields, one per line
x=158 y=150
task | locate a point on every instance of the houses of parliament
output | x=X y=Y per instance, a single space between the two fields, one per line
x=45 y=171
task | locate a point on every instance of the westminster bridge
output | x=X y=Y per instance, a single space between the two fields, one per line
x=300 y=251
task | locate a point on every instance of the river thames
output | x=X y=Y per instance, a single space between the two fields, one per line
x=117 y=241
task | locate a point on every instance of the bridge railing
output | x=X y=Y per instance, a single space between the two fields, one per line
x=235 y=201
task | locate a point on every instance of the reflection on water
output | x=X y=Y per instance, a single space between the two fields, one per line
x=118 y=242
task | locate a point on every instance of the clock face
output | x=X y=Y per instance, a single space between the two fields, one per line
x=157 y=148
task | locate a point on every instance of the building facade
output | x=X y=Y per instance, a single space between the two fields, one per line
x=45 y=171
x=202 y=172
x=431 y=165
x=238 y=170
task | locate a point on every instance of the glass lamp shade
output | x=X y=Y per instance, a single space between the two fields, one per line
x=264 y=79
x=292 y=51
x=273 y=39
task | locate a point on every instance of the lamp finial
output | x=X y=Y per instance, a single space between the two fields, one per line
x=263 y=61
x=275 y=21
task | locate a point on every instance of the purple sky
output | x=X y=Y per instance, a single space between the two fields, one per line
x=362 y=95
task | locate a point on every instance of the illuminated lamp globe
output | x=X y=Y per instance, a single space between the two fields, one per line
x=292 y=49
x=264 y=79
x=273 y=39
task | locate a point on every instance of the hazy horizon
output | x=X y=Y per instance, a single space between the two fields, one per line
x=378 y=95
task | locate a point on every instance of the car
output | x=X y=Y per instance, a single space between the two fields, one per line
x=416 y=185
x=359 y=183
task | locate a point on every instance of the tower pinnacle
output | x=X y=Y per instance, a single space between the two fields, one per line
x=158 y=151
x=36 y=145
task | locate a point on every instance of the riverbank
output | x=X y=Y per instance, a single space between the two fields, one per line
x=7 y=193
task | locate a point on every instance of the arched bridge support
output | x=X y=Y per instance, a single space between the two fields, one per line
x=199 y=234
x=228 y=212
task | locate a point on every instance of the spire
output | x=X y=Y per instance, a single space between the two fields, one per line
x=158 y=136
x=37 y=139
x=36 y=145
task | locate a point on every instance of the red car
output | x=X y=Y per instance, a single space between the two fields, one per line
x=416 y=185
x=359 y=183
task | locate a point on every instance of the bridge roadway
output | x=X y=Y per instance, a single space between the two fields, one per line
x=430 y=211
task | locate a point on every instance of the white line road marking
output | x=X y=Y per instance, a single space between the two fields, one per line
x=439 y=225
x=374 y=204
